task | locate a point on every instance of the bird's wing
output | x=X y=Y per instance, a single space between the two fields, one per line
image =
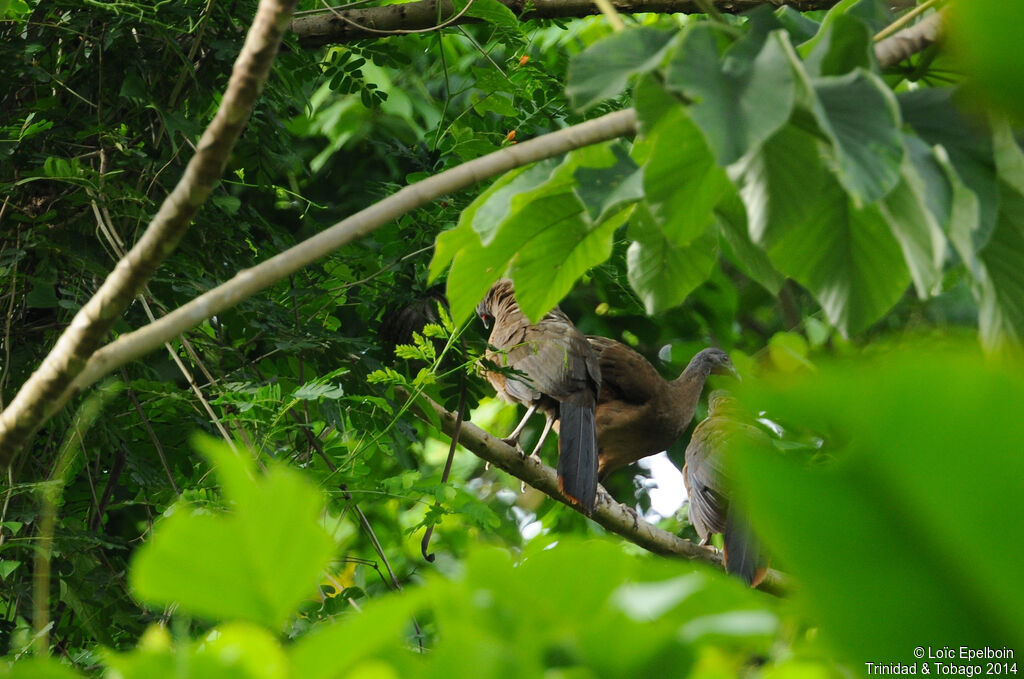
x=625 y=374
x=705 y=479
x=553 y=357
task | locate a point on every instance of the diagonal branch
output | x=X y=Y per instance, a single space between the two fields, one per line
x=37 y=399
x=908 y=42
x=608 y=513
x=339 y=25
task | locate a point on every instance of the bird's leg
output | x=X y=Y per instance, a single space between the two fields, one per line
x=513 y=438
x=549 y=421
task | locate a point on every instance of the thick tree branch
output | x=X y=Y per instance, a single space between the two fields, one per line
x=341 y=26
x=35 y=401
x=909 y=41
x=608 y=513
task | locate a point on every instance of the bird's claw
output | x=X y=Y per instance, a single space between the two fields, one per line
x=514 y=442
x=636 y=516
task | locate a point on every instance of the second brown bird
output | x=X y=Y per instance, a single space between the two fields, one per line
x=712 y=509
x=640 y=413
x=556 y=372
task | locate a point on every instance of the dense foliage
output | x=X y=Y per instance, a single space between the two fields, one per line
x=786 y=198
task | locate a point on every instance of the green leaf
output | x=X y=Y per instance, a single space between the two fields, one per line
x=903 y=423
x=603 y=69
x=917 y=230
x=964 y=216
x=661 y=272
x=496 y=103
x=858 y=113
x=799 y=26
x=236 y=650
x=846 y=257
x=741 y=98
x=682 y=182
x=982 y=35
x=788 y=351
x=845 y=45
x=606 y=189
x=547 y=267
x=228 y=204
x=273 y=529
x=487 y=211
x=732 y=224
x=39 y=668
x=935 y=118
x=333 y=650
x=533 y=223
x=494 y=12
x=836 y=13
x=7 y=566
x=42 y=295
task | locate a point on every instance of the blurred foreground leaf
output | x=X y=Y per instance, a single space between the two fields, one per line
x=914 y=537
x=256 y=563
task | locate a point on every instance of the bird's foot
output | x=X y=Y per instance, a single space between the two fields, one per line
x=514 y=442
x=636 y=516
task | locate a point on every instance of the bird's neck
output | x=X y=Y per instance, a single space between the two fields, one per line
x=687 y=387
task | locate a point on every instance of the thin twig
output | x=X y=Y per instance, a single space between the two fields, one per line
x=905 y=19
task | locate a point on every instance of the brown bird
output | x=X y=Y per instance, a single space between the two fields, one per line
x=639 y=413
x=556 y=372
x=707 y=486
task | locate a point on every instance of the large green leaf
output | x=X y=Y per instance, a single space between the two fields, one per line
x=834 y=14
x=903 y=510
x=606 y=189
x=983 y=35
x=859 y=115
x=602 y=70
x=536 y=224
x=844 y=45
x=661 y=271
x=681 y=180
x=731 y=217
x=917 y=230
x=740 y=98
x=1001 y=317
x=932 y=114
x=488 y=210
x=847 y=257
x=234 y=650
x=273 y=529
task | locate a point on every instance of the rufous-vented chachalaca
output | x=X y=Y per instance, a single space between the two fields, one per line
x=639 y=413
x=707 y=486
x=556 y=373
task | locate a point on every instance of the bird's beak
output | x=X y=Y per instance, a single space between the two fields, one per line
x=735 y=373
x=486 y=320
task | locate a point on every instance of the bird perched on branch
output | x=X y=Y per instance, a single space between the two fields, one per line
x=555 y=371
x=639 y=413
x=707 y=485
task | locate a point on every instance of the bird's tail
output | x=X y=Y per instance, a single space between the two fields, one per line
x=742 y=551
x=577 y=450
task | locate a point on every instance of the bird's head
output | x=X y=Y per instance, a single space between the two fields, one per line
x=488 y=305
x=719 y=363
